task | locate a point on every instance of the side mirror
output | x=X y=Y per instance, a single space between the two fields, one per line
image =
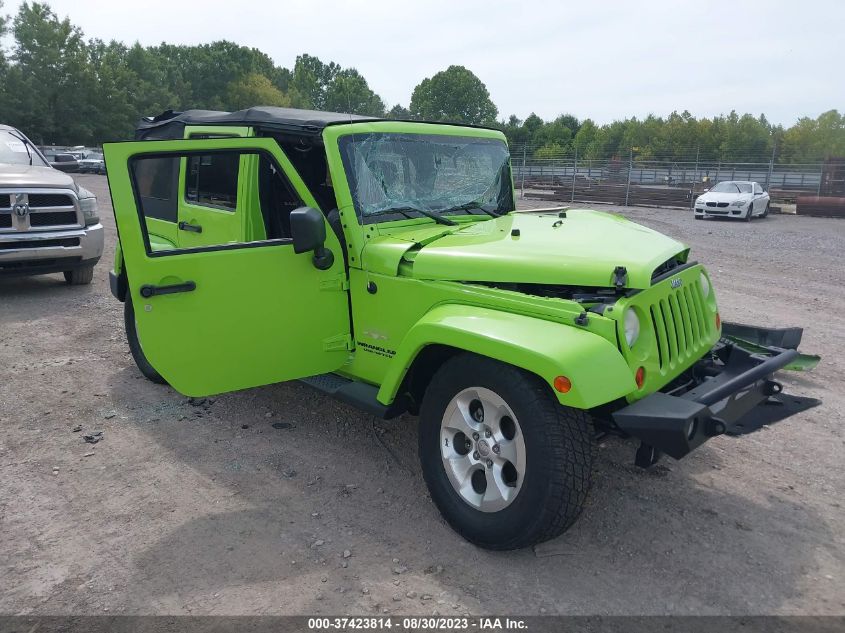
x=308 y=230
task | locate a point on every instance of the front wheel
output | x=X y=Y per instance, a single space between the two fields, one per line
x=506 y=465
x=765 y=211
x=79 y=276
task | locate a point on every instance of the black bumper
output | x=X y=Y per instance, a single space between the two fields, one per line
x=724 y=386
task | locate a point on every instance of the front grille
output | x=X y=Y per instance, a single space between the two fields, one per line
x=717 y=204
x=680 y=326
x=47 y=209
x=40 y=200
x=52 y=218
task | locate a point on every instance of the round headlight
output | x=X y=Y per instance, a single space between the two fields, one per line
x=705 y=286
x=632 y=326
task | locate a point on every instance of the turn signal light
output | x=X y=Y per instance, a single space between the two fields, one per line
x=639 y=377
x=718 y=321
x=563 y=384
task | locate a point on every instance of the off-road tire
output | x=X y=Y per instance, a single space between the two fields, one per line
x=559 y=452
x=79 y=276
x=135 y=345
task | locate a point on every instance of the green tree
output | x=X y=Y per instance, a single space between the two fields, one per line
x=454 y=94
x=311 y=79
x=399 y=112
x=550 y=150
x=47 y=82
x=586 y=135
x=348 y=92
x=811 y=140
x=254 y=89
x=159 y=84
x=111 y=99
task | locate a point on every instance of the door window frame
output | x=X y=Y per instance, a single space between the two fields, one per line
x=184 y=154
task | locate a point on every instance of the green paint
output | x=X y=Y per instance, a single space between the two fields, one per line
x=264 y=314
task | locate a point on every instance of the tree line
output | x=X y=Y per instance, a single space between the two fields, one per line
x=61 y=88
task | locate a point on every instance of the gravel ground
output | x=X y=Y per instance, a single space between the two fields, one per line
x=281 y=501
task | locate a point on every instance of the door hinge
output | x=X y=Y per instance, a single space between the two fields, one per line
x=337 y=343
x=337 y=283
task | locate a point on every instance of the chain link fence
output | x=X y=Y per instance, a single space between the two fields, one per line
x=631 y=181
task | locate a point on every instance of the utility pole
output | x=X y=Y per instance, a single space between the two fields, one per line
x=574 y=171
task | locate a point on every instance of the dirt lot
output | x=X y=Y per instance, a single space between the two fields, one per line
x=210 y=509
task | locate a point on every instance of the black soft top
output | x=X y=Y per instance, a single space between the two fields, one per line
x=171 y=125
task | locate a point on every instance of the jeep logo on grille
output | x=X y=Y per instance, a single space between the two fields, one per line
x=20 y=207
x=677 y=282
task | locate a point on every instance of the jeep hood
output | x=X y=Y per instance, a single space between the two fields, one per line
x=582 y=249
x=33 y=176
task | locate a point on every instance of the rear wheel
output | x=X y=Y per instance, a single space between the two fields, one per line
x=505 y=464
x=79 y=276
x=135 y=345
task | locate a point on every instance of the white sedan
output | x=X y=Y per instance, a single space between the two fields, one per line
x=733 y=199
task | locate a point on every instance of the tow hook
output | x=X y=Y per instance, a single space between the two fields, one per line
x=714 y=427
x=772 y=387
x=646 y=456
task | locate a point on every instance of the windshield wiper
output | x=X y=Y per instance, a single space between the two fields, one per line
x=405 y=210
x=25 y=142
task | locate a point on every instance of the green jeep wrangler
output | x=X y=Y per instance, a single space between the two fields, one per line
x=382 y=262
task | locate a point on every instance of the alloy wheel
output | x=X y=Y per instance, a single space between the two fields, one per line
x=483 y=449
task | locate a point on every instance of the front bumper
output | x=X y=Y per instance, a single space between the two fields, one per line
x=36 y=252
x=722 y=387
x=722 y=212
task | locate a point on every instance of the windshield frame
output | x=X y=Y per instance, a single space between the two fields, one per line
x=335 y=137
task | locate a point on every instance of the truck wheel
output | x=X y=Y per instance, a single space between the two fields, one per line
x=135 y=345
x=79 y=276
x=506 y=465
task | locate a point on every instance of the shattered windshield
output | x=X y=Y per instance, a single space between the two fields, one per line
x=419 y=174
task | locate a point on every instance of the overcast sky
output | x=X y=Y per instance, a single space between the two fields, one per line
x=602 y=59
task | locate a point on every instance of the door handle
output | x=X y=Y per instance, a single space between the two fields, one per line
x=149 y=290
x=193 y=228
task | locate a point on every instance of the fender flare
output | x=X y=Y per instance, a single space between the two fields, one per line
x=598 y=372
